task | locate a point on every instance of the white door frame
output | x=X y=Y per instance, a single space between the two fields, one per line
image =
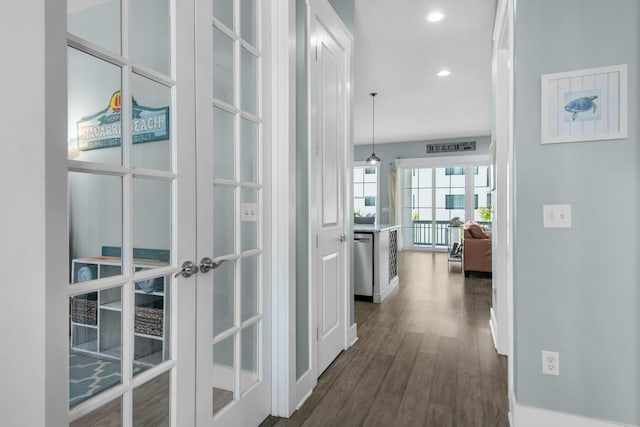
x=283 y=193
x=503 y=45
x=500 y=142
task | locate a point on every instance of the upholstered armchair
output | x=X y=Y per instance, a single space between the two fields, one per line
x=476 y=249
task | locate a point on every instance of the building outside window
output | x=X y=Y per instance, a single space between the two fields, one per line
x=432 y=197
x=365 y=193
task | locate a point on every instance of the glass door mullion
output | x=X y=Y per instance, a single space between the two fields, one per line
x=469 y=191
x=127 y=252
x=434 y=221
x=237 y=49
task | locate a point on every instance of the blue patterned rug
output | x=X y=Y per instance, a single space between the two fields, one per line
x=90 y=375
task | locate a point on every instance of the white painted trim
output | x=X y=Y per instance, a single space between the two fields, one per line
x=183 y=346
x=303 y=399
x=493 y=325
x=304 y=386
x=510 y=202
x=283 y=220
x=393 y=284
x=353 y=334
x=505 y=24
x=307 y=380
x=55 y=213
x=529 y=416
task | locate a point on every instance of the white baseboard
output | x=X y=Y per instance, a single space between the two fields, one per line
x=493 y=325
x=353 y=334
x=304 y=399
x=529 y=416
x=378 y=298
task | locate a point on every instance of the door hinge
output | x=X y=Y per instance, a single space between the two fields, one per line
x=317 y=334
x=316 y=52
x=317 y=241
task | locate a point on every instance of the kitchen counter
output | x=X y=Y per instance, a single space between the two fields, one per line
x=376 y=261
x=372 y=228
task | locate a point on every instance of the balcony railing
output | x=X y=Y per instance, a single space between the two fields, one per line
x=424 y=233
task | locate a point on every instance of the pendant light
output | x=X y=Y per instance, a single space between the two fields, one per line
x=373 y=159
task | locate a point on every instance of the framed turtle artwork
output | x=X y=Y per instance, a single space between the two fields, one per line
x=584 y=105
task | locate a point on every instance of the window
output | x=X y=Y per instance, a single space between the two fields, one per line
x=365 y=192
x=456 y=201
x=482 y=195
x=432 y=197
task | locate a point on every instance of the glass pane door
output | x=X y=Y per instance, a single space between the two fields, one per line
x=449 y=188
x=121 y=190
x=231 y=369
x=433 y=197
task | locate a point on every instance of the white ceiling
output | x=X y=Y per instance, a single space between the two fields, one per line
x=398 y=53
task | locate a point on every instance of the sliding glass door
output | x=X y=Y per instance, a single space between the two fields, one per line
x=433 y=197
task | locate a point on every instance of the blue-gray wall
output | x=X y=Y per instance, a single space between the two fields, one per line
x=577 y=290
x=408 y=150
x=302 y=190
x=345 y=10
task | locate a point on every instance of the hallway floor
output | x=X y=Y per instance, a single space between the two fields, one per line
x=424 y=357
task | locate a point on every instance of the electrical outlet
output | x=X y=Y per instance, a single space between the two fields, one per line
x=550 y=362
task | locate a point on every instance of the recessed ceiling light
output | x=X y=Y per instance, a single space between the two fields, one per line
x=443 y=73
x=435 y=17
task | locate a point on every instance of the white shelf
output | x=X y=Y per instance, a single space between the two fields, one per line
x=84 y=325
x=94 y=338
x=155 y=294
x=150 y=360
x=153 y=337
x=88 y=346
x=113 y=306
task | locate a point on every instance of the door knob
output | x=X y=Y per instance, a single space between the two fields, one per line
x=207 y=264
x=188 y=269
x=342 y=237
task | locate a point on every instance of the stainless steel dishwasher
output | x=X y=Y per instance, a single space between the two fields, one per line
x=363 y=264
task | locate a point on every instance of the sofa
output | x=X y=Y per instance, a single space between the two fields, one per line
x=476 y=249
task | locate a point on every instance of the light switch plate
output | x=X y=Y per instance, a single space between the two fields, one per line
x=249 y=212
x=556 y=216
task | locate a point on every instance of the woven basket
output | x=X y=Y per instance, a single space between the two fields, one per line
x=149 y=321
x=84 y=311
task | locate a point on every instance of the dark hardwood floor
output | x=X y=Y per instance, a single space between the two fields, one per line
x=424 y=357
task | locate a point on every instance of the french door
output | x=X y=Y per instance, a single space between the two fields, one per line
x=158 y=176
x=233 y=334
x=124 y=188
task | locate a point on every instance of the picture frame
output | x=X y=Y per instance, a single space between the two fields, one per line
x=584 y=105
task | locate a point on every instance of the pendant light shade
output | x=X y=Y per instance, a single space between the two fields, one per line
x=373 y=159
